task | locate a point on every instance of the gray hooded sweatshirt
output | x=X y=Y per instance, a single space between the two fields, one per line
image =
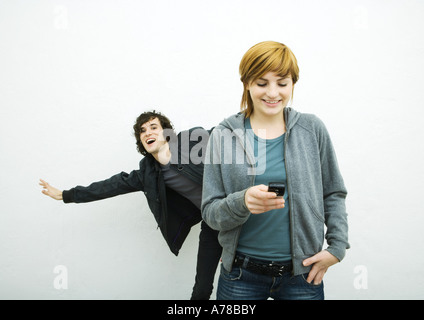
x=316 y=191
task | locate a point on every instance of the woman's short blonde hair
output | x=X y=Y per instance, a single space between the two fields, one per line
x=264 y=57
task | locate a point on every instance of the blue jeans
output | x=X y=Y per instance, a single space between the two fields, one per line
x=242 y=284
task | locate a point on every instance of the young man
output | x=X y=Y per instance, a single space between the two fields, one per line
x=170 y=175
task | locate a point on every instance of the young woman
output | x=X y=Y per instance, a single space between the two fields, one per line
x=272 y=245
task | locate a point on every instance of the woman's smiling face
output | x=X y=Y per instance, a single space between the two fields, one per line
x=270 y=93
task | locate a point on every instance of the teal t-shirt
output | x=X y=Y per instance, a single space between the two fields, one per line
x=266 y=236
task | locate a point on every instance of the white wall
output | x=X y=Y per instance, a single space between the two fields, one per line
x=74 y=75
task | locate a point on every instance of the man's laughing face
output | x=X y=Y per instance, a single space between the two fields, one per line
x=151 y=136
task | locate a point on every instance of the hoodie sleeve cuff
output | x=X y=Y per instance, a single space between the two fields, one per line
x=339 y=253
x=238 y=204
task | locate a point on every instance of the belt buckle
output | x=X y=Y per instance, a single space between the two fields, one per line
x=279 y=269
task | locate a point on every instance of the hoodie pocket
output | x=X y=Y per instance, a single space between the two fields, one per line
x=307 y=225
x=306 y=208
x=318 y=214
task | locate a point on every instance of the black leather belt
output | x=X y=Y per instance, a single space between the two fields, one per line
x=273 y=269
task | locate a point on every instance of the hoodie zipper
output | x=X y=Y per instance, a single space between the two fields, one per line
x=291 y=221
x=243 y=140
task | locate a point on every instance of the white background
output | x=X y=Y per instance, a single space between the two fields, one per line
x=74 y=75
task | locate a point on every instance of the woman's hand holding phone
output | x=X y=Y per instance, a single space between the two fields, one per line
x=259 y=200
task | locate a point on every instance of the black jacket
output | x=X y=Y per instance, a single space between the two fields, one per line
x=174 y=213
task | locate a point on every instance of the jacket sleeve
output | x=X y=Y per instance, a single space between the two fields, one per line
x=221 y=211
x=118 y=184
x=334 y=193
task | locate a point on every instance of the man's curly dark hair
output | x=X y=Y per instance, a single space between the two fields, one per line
x=146 y=117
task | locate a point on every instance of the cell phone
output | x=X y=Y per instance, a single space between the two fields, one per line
x=278 y=187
